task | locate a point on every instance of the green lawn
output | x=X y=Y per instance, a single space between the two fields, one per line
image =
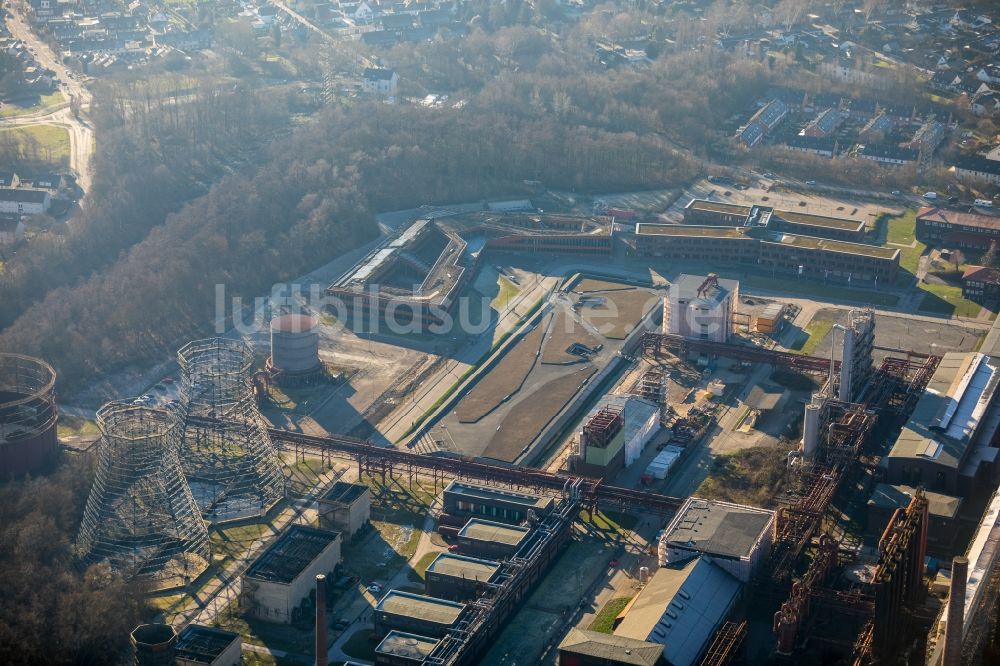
x=946 y=299
x=817 y=330
x=13 y=109
x=901 y=230
x=818 y=290
x=610 y=521
x=46 y=143
x=605 y=620
x=75 y=426
x=508 y=290
x=419 y=570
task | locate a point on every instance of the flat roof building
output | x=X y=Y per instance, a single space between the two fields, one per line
x=415 y=613
x=452 y=576
x=737 y=537
x=946 y=445
x=198 y=645
x=283 y=575
x=402 y=649
x=808 y=256
x=345 y=508
x=510 y=506
x=681 y=608
x=484 y=538
x=717 y=213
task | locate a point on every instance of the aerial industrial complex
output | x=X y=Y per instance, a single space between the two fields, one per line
x=589 y=456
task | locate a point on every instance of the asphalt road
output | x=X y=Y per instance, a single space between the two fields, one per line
x=81 y=132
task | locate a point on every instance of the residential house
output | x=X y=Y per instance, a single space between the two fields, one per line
x=23 y=201
x=824 y=125
x=888 y=154
x=981 y=283
x=985 y=103
x=876 y=129
x=977 y=167
x=989 y=74
x=764 y=121
x=825 y=147
x=379 y=81
x=927 y=138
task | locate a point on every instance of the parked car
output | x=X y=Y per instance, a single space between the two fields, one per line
x=374 y=588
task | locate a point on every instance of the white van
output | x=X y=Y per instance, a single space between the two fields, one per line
x=930 y=195
x=983 y=203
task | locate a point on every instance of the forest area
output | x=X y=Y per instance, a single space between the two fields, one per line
x=55 y=612
x=198 y=185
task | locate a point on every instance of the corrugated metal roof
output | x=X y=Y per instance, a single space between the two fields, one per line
x=948 y=415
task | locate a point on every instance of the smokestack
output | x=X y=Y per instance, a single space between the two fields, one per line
x=956 y=613
x=320 y=620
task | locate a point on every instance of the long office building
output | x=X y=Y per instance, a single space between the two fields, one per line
x=715 y=213
x=762 y=248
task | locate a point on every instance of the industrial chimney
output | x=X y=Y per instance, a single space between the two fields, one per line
x=321 y=620
x=953 y=633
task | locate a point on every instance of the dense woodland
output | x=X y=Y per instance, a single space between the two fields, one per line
x=200 y=181
x=54 y=612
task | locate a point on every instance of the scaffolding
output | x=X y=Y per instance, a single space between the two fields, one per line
x=140 y=516
x=603 y=427
x=230 y=462
x=653 y=386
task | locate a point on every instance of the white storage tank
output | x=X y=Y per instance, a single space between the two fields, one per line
x=294 y=345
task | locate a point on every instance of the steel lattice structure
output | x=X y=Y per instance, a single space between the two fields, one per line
x=230 y=462
x=140 y=516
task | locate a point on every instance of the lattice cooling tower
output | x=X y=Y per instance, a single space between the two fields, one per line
x=140 y=516
x=230 y=462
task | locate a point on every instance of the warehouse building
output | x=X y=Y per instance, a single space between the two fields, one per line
x=198 y=645
x=469 y=499
x=947 y=444
x=787 y=254
x=594 y=648
x=483 y=538
x=345 y=508
x=452 y=576
x=283 y=575
x=681 y=608
x=402 y=649
x=701 y=307
x=416 y=614
x=737 y=538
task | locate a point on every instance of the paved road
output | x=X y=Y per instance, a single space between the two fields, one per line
x=81 y=132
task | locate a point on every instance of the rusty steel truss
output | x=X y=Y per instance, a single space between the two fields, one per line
x=654 y=344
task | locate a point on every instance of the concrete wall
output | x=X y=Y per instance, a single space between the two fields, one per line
x=346 y=518
x=273 y=601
